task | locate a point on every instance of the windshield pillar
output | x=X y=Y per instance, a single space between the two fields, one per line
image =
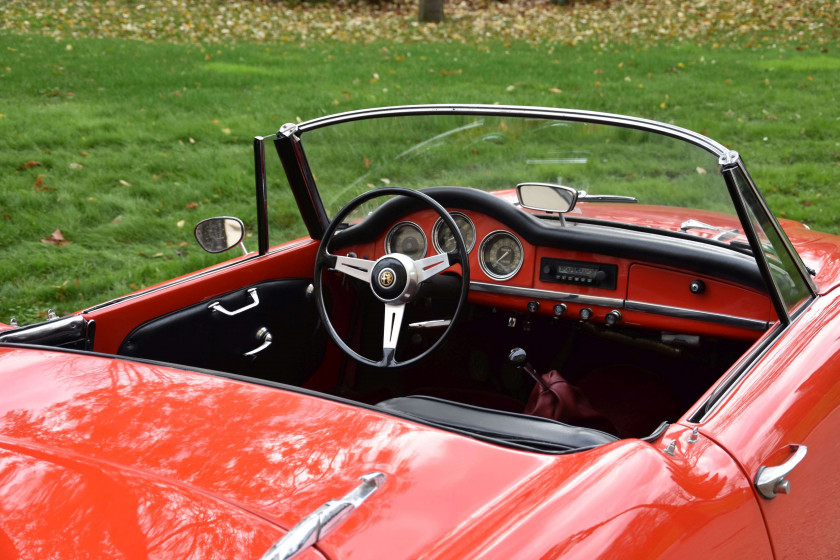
x=290 y=150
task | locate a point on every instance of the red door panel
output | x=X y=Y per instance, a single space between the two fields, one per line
x=792 y=396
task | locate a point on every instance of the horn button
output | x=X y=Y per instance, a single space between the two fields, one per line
x=390 y=278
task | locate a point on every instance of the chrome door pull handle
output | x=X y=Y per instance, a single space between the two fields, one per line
x=216 y=306
x=263 y=336
x=770 y=481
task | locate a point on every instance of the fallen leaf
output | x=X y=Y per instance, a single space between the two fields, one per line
x=29 y=164
x=180 y=223
x=555 y=90
x=116 y=220
x=56 y=239
x=124 y=183
x=192 y=205
x=75 y=165
x=367 y=161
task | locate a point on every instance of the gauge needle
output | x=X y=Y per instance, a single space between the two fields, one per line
x=503 y=255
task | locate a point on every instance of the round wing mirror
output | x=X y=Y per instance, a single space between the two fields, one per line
x=217 y=235
x=546 y=197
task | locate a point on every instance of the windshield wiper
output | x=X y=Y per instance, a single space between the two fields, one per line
x=724 y=235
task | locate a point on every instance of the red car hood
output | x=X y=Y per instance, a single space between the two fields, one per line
x=103 y=457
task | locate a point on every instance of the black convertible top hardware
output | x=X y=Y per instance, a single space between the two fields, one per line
x=323 y=520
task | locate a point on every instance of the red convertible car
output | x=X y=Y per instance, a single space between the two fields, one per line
x=511 y=332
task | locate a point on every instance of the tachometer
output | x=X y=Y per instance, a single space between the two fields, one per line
x=443 y=239
x=500 y=255
x=406 y=238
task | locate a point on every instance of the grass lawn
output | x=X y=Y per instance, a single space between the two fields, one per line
x=123 y=145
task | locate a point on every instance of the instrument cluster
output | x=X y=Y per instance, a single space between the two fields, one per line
x=500 y=253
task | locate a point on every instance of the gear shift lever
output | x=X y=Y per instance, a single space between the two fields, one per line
x=518 y=357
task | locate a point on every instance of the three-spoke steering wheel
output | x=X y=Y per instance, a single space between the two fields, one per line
x=394 y=279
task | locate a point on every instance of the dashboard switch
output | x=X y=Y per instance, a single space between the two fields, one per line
x=612 y=317
x=585 y=313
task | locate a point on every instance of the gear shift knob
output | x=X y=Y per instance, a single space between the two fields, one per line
x=517 y=357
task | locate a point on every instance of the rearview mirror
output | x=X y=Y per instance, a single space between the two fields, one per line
x=217 y=235
x=546 y=197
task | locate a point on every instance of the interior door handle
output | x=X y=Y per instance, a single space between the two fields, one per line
x=770 y=481
x=263 y=336
x=216 y=306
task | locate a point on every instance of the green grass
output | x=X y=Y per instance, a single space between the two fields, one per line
x=133 y=138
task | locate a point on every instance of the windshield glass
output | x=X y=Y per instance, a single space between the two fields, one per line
x=495 y=153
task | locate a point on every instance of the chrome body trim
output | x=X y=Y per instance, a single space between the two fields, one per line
x=535 y=293
x=483 y=246
x=572 y=115
x=323 y=520
x=683 y=313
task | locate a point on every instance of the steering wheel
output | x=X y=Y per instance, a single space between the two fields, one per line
x=394 y=279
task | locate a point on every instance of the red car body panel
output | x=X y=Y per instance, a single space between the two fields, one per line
x=792 y=396
x=252 y=458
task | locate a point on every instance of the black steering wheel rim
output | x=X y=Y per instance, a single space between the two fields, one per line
x=324 y=259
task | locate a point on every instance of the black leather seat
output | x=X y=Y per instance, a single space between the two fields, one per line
x=518 y=429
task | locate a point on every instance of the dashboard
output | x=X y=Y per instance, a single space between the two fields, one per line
x=527 y=265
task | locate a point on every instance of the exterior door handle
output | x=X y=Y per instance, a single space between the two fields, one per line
x=263 y=336
x=770 y=481
x=216 y=306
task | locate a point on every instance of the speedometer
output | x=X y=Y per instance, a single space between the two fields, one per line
x=500 y=255
x=443 y=239
x=406 y=238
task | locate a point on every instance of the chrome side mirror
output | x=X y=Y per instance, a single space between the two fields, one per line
x=547 y=197
x=217 y=235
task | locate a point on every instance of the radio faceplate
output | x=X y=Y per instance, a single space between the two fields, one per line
x=579 y=273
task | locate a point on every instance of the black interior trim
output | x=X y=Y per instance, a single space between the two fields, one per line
x=532 y=431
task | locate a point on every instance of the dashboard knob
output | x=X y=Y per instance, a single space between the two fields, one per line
x=697 y=287
x=533 y=306
x=560 y=309
x=612 y=317
x=585 y=313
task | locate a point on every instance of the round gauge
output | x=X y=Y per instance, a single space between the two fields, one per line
x=443 y=239
x=406 y=238
x=500 y=255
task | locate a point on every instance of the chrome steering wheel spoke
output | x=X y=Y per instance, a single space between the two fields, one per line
x=351 y=266
x=428 y=267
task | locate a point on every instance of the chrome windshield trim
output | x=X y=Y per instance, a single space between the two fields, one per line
x=323 y=520
x=573 y=115
x=709 y=317
x=546 y=294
